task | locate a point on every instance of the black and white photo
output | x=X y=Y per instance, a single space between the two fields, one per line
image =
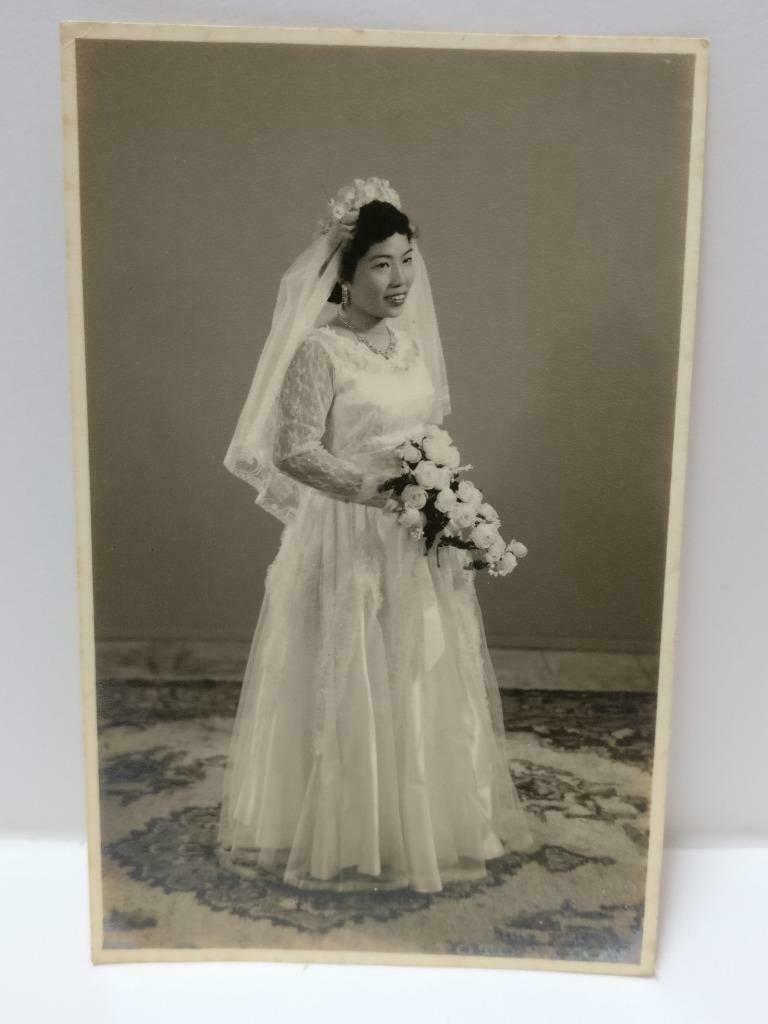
x=381 y=349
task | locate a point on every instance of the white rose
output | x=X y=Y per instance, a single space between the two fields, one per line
x=412 y=517
x=469 y=493
x=440 y=453
x=451 y=457
x=414 y=496
x=439 y=435
x=496 y=548
x=517 y=548
x=506 y=563
x=445 y=500
x=338 y=211
x=431 y=429
x=426 y=474
x=462 y=515
x=369 y=190
x=487 y=511
x=444 y=478
x=434 y=449
x=483 y=535
x=410 y=453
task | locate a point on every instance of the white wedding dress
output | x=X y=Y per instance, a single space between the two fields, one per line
x=368 y=744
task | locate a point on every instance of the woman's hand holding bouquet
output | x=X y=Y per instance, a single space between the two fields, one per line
x=434 y=504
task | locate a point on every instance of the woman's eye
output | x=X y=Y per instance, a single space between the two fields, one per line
x=385 y=264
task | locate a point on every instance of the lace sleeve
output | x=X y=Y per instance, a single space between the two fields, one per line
x=303 y=404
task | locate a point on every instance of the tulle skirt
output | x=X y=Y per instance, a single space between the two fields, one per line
x=368 y=745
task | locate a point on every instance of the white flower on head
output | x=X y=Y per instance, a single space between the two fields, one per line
x=414 y=496
x=462 y=515
x=483 y=535
x=347 y=202
x=431 y=429
x=411 y=517
x=426 y=474
x=469 y=493
x=517 y=548
x=445 y=500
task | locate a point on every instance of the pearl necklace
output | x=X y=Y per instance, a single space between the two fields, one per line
x=386 y=353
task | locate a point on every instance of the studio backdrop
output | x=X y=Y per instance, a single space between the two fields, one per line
x=549 y=190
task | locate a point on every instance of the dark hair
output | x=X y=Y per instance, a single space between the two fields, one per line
x=376 y=222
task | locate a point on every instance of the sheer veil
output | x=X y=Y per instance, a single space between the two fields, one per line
x=302 y=304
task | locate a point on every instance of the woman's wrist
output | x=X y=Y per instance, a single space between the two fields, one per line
x=369 y=493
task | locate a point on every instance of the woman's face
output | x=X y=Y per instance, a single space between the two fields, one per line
x=383 y=277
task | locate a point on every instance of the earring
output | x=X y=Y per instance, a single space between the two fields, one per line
x=344 y=296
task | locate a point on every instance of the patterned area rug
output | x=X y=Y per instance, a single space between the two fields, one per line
x=581 y=762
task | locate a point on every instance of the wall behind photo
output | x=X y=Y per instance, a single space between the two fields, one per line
x=550 y=194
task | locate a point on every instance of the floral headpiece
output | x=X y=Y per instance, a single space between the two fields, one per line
x=344 y=207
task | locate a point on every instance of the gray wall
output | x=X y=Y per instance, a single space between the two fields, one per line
x=550 y=194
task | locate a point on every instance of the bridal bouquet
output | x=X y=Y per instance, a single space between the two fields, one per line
x=434 y=504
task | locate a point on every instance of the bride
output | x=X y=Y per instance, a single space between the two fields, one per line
x=368 y=746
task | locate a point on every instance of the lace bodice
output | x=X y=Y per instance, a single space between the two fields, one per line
x=342 y=409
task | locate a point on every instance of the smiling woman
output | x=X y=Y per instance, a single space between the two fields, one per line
x=376 y=271
x=367 y=751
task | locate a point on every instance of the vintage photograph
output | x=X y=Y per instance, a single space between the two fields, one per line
x=381 y=347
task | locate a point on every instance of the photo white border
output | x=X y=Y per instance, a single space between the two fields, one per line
x=699 y=48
